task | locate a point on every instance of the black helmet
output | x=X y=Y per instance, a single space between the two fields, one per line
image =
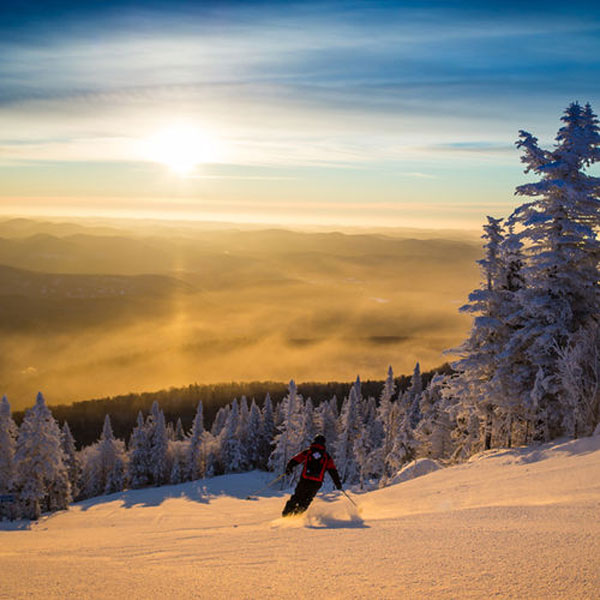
x=320 y=439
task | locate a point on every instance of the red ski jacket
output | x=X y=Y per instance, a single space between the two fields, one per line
x=316 y=461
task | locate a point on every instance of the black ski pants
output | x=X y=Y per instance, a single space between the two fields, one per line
x=303 y=495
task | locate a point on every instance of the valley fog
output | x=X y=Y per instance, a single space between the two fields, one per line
x=89 y=310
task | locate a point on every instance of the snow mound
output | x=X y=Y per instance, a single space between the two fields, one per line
x=417 y=468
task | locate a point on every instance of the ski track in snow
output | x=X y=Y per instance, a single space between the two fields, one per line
x=507 y=524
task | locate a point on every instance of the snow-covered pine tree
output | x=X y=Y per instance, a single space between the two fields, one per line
x=71 y=459
x=158 y=442
x=368 y=445
x=558 y=227
x=579 y=372
x=41 y=479
x=479 y=353
x=178 y=455
x=111 y=460
x=287 y=441
x=170 y=431
x=242 y=432
x=413 y=396
x=212 y=455
x=138 y=465
x=267 y=433
x=334 y=407
x=363 y=452
x=253 y=436
x=385 y=415
x=220 y=420
x=308 y=430
x=350 y=429
x=328 y=425
x=196 y=466
x=8 y=436
x=179 y=432
x=466 y=431
x=434 y=431
x=232 y=453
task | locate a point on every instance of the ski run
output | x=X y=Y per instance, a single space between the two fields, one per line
x=519 y=523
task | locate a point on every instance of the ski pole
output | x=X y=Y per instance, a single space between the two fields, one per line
x=249 y=497
x=344 y=492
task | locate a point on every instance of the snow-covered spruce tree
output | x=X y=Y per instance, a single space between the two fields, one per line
x=196 y=459
x=111 y=460
x=403 y=447
x=253 y=436
x=287 y=440
x=413 y=397
x=327 y=423
x=385 y=415
x=41 y=479
x=559 y=230
x=363 y=451
x=220 y=420
x=368 y=445
x=8 y=436
x=158 y=445
x=350 y=429
x=479 y=353
x=233 y=458
x=579 y=372
x=179 y=432
x=267 y=433
x=433 y=433
x=309 y=430
x=71 y=460
x=177 y=459
x=138 y=466
x=242 y=432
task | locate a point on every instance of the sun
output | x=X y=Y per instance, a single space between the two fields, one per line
x=181 y=147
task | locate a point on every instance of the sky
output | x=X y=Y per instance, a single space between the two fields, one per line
x=356 y=113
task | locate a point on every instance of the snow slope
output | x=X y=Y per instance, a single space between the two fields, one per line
x=508 y=524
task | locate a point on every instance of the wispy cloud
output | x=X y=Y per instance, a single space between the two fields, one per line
x=364 y=95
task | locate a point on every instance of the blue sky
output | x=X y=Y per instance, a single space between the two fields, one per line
x=379 y=113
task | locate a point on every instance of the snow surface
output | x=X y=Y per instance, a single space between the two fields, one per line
x=508 y=524
x=416 y=468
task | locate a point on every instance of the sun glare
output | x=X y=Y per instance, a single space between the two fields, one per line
x=181 y=148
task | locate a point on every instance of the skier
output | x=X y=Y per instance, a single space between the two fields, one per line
x=316 y=461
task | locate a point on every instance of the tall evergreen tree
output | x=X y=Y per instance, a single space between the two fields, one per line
x=287 y=441
x=179 y=432
x=328 y=425
x=558 y=227
x=8 y=436
x=41 y=478
x=138 y=466
x=111 y=461
x=267 y=432
x=350 y=430
x=232 y=453
x=196 y=464
x=253 y=436
x=413 y=397
x=159 y=444
x=71 y=460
